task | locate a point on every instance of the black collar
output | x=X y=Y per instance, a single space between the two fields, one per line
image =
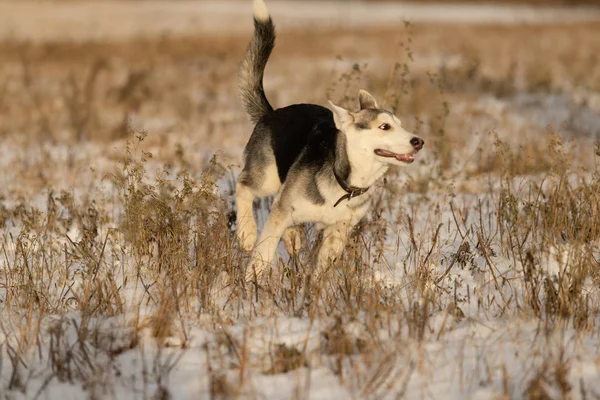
x=351 y=191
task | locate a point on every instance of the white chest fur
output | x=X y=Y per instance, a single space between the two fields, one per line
x=304 y=210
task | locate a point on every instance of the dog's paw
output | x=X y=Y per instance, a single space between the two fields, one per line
x=247 y=239
x=291 y=240
x=255 y=270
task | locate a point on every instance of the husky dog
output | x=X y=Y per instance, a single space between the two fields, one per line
x=320 y=162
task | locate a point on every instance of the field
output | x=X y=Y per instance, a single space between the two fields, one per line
x=475 y=275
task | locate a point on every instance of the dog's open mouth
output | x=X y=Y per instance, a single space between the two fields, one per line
x=407 y=158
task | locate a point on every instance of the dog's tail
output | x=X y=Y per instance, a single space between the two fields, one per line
x=254 y=63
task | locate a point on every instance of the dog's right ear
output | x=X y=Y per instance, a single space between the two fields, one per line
x=367 y=101
x=341 y=116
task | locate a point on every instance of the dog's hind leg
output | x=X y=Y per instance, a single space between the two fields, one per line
x=258 y=179
x=246 y=225
x=334 y=240
x=266 y=248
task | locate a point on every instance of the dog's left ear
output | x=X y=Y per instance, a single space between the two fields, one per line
x=341 y=116
x=367 y=101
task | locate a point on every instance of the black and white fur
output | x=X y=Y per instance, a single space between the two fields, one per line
x=319 y=162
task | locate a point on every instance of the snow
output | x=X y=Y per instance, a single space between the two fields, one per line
x=482 y=353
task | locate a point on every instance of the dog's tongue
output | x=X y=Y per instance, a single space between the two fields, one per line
x=407 y=158
x=385 y=153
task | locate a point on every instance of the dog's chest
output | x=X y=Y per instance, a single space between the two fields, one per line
x=347 y=210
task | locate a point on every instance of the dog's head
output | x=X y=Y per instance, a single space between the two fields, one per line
x=377 y=132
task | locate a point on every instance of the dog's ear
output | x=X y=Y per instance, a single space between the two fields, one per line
x=367 y=101
x=341 y=116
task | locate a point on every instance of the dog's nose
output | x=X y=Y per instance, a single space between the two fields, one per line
x=417 y=143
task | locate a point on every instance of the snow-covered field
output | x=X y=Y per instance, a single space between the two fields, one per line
x=476 y=276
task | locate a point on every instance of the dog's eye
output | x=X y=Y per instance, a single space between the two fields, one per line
x=385 y=127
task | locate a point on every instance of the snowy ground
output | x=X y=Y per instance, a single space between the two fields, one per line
x=475 y=277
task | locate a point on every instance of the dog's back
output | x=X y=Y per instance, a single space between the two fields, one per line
x=291 y=129
x=279 y=136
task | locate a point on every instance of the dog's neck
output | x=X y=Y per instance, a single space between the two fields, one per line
x=357 y=166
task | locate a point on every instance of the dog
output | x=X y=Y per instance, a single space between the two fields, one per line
x=319 y=162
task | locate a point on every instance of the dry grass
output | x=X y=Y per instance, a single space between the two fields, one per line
x=498 y=225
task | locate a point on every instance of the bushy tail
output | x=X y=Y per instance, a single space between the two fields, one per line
x=254 y=63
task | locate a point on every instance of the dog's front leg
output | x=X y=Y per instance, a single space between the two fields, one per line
x=334 y=240
x=266 y=248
